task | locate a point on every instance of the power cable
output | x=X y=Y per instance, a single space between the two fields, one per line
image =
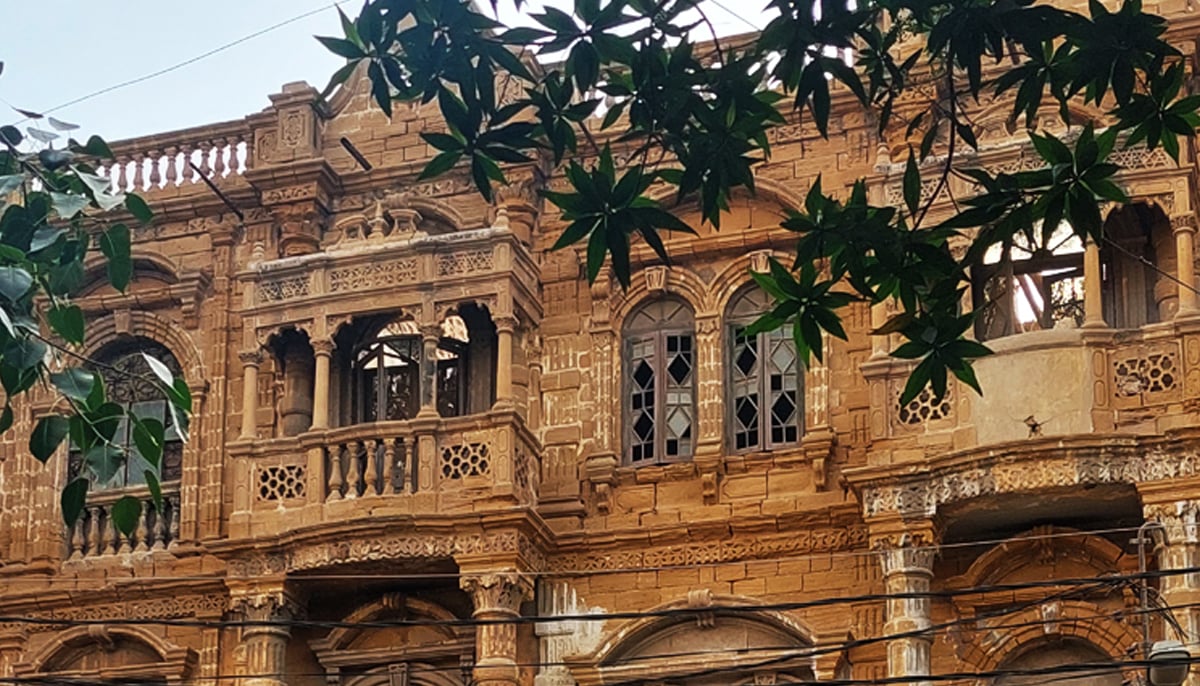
x=582 y=572
x=1140 y=258
x=189 y=61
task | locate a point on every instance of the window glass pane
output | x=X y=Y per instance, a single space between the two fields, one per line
x=677 y=413
x=641 y=414
x=783 y=387
x=764 y=379
x=745 y=406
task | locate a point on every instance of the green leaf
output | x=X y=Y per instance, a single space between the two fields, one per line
x=6 y=419
x=912 y=185
x=47 y=435
x=73 y=499
x=104 y=461
x=125 y=514
x=159 y=369
x=67 y=321
x=10 y=183
x=138 y=208
x=115 y=244
x=341 y=47
x=76 y=383
x=149 y=437
x=67 y=205
x=155 y=489
x=14 y=282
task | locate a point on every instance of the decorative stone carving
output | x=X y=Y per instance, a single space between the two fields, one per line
x=921 y=495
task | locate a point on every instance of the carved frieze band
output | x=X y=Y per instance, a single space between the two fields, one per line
x=157 y=608
x=921 y=496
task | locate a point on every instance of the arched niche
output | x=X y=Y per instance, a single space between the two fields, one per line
x=1137 y=255
x=1051 y=654
x=126 y=653
x=429 y=651
x=1042 y=553
x=151 y=271
x=734 y=645
x=765 y=208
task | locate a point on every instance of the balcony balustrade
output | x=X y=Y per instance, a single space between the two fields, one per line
x=94 y=534
x=161 y=165
x=417 y=467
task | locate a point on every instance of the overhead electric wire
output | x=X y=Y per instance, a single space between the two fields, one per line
x=189 y=61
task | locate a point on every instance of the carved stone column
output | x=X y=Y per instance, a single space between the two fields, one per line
x=497 y=598
x=506 y=325
x=430 y=335
x=250 y=361
x=1185 y=257
x=296 y=410
x=1181 y=550
x=322 y=351
x=1093 y=306
x=907 y=561
x=265 y=638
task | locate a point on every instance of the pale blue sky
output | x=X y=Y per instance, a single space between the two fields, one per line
x=58 y=50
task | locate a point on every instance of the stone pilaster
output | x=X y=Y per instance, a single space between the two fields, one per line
x=907 y=560
x=1180 y=550
x=264 y=640
x=506 y=326
x=322 y=351
x=430 y=335
x=497 y=598
x=250 y=361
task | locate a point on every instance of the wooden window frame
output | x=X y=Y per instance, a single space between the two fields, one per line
x=659 y=366
x=765 y=443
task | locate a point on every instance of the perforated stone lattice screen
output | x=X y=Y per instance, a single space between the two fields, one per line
x=282 y=289
x=1149 y=373
x=466 y=459
x=281 y=483
x=923 y=408
x=464 y=263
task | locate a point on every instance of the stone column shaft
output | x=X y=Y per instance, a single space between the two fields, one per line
x=1181 y=550
x=1093 y=306
x=908 y=568
x=322 y=351
x=505 y=328
x=250 y=362
x=1185 y=253
x=497 y=598
x=265 y=644
x=430 y=335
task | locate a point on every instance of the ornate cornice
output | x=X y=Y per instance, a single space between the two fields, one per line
x=1025 y=467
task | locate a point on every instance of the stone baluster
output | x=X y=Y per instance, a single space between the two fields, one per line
x=117 y=544
x=250 y=361
x=1093 y=306
x=171 y=166
x=322 y=351
x=143 y=527
x=139 y=173
x=908 y=568
x=266 y=634
x=370 y=472
x=155 y=173
x=505 y=329
x=224 y=147
x=497 y=598
x=174 y=522
x=76 y=543
x=352 y=480
x=185 y=166
x=389 y=465
x=95 y=542
x=1180 y=550
x=335 y=472
x=161 y=530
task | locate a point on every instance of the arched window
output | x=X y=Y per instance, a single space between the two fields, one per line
x=764 y=381
x=660 y=382
x=129 y=382
x=1036 y=283
x=387 y=371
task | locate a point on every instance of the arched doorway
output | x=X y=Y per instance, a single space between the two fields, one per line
x=1042 y=662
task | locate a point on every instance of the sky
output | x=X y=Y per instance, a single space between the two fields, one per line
x=56 y=51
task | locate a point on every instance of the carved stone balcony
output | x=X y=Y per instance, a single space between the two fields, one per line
x=451 y=466
x=94 y=534
x=1068 y=382
x=160 y=166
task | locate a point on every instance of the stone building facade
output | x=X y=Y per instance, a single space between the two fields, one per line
x=417 y=430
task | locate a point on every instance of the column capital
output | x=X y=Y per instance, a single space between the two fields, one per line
x=266 y=604
x=1180 y=520
x=250 y=358
x=506 y=323
x=431 y=331
x=322 y=346
x=1183 y=223
x=909 y=552
x=497 y=591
